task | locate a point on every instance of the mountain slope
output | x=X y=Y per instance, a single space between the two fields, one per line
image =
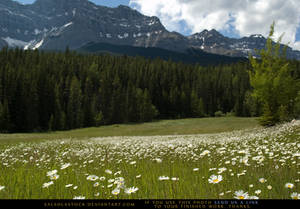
x=56 y=24
x=214 y=42
x=190 y=56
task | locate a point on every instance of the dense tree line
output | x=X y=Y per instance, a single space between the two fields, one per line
x=42 y=91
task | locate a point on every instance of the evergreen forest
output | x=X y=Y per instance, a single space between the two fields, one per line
x=46 y=91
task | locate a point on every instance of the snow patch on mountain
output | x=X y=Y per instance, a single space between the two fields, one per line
x=68 y=24
x=38 y=45
x=11 y=42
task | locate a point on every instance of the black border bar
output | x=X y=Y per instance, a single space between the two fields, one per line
x=153 y=204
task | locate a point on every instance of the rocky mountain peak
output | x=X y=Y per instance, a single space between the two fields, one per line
x=257 y=36
x=214 y=32
x=47 y=7
x=207 y=34
x=55 y=24
x=59 y=2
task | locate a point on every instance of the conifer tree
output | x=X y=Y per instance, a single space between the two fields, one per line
x=74 y=111
x=272 y=82
x=5 y=123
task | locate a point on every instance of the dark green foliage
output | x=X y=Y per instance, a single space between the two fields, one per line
x=41 y=91
x=5 y=122
x=219 y=114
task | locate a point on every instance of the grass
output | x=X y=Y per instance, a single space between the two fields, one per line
x=186 y=161
x=162 y=127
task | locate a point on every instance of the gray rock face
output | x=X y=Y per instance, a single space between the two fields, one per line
x=56 y=24
x=214 y=42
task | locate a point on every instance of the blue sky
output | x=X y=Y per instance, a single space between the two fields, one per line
x=109 y=3
x=233 y=18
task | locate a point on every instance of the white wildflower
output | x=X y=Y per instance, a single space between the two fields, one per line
x=215 y=179
x=131 y=190
x=46 y=185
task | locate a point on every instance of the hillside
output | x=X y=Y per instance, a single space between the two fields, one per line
x=191 y=56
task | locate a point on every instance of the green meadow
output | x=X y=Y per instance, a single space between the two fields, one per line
x=161 y=127
x=209 y=158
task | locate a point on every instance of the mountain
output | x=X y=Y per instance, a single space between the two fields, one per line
x=214 y=42
x=56 y=24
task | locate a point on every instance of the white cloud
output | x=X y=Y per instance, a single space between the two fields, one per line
x=243 y=16
x=296 y=45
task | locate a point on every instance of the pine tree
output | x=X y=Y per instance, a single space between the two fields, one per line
x=58 y=123
x=148 y=111
x=273 y=83
x=197 y=106
x=117 y=102
x=51 y=124
x=74 y=111
x=5 y=123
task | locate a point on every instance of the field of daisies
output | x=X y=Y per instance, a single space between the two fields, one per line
x=260 y=163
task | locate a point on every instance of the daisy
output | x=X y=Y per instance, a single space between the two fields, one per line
x=163 y=178
x=131 y=190
x=120 y=182
x=96 y=184
x=79 y=198
x=117 y=173
x=111 y=180
x=54 y=177
x=221 y=170
x=68 y=185
x=262 y=180
x=116 y=191
x=205 y=152
x=102 y=178
x=257 y=192
x=215 y=179
x=138 y=176
x=51 y=173
x=108 y=171
x=2 y=187
x=46 y=185
x=295 y=196
x=241 y=195
x=119 y=179
x=175 y=179
x=269 y=187
x=158 y=160
x=196 y=169
x=64 y=166
x=92 y=178
x=289 y=185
